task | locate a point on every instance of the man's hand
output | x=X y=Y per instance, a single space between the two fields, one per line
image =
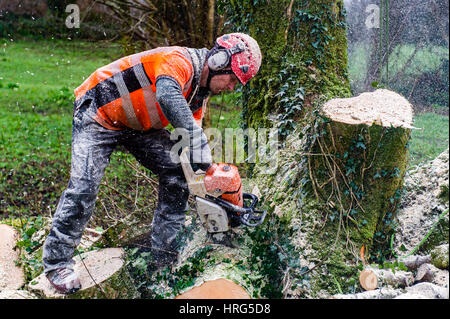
x=200 y=153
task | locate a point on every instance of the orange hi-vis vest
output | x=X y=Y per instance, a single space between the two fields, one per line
x=124 y=91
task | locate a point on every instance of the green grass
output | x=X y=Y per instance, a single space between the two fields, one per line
x=37 y=79
x=36 y=95
x=226 y=110
x=426 y=59
x=432 y=138
x=40 y=76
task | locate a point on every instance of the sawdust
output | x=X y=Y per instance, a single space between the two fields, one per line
x=382 y=107
x=421 y=207
x=16 y=294
x=11 y=276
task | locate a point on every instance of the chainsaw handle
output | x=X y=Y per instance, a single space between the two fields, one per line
x=246 y=218
x=227 y=205
x=252 y=197
x=246 y=214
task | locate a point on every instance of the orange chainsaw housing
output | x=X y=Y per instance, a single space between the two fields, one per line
x=221 y=177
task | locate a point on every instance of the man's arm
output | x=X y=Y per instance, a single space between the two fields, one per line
x=177 y=111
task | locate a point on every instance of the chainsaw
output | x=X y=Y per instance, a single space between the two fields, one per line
x=221 y=204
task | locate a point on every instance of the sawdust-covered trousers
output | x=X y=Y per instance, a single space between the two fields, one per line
x=92 y=146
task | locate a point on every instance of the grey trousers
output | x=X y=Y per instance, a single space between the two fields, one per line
x=92 y=146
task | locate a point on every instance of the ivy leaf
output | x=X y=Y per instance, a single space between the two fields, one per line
x=361 y=145
x=281 y=93
x=281 y=257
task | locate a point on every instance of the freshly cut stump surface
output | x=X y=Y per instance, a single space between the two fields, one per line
x=368 y=279
x=216 y=289
x=96 y=270
x=11 y=276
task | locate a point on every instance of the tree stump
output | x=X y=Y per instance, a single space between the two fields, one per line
x=103 y=275
x=11 y=275
x=361 y=156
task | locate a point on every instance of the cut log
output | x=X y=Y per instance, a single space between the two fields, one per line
x=216 y=289
x=102 y=274
x=425 y=273
x=413 y=262
x=11 y=275
x=368 y=279
x=371 y=278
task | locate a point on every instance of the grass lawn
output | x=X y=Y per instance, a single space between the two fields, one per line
x=36 y=75
x=426 y=59
x=37 y=79
x=36 y=95
x=431 y=139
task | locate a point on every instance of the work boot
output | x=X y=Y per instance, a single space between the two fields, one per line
x=64 y=280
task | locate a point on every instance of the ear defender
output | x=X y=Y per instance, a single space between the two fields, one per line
x=221 y=58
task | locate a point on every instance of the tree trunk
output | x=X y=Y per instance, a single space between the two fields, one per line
x=210 y=40
x=304 y=50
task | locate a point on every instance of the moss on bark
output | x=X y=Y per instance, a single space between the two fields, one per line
x=362 y=174
x=304 y=45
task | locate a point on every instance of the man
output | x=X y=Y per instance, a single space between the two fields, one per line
x=129 y=102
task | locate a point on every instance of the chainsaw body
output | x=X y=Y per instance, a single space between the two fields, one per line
x=220 y=202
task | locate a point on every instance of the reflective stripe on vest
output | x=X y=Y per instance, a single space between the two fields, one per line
x=125 y=91
x=149 y=96
x=127 y=76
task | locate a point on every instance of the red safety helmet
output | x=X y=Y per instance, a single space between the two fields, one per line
x=242 y=50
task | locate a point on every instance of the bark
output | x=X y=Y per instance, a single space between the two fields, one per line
x=363 y=165
x=303 y=44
